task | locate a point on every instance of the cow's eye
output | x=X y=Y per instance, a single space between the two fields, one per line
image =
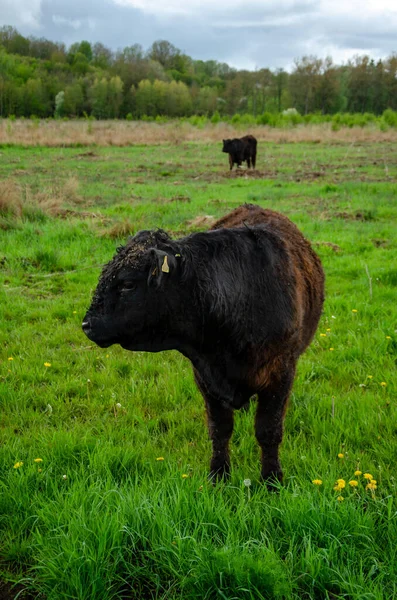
x=126 y=286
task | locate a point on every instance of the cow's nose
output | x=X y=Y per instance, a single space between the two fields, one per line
x=86 y=326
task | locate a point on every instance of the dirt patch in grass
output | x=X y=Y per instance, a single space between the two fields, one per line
x=9 y=591
x=308 y=175
x=333 y=247
x=365 y=215
x=66 y=213
x=250 y=174
x=380 y=243
x=89 y=154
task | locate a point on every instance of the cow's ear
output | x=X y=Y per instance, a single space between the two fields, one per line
x=161 y=266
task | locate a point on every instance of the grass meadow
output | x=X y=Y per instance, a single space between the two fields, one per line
x=104 y=454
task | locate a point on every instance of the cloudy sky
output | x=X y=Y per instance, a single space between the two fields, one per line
x=244 y=33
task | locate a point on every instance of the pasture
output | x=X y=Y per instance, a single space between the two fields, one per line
x=104 y=453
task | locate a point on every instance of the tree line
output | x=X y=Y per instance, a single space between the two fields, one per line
x=44 y=78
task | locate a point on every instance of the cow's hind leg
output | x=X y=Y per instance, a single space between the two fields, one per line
x=230 y=161
x=272 y=403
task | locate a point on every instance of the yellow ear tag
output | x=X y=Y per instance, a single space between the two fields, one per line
x=165 y=268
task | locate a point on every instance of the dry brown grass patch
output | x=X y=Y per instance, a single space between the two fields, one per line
x=201 y=222
x=11 y=203
x=121 y=229
x=54 y=198
x=126 y=133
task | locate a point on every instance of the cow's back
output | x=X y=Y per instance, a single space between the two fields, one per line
x=309 y=275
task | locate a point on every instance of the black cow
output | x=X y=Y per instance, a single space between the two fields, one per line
x=240 y=149
x=242 y=301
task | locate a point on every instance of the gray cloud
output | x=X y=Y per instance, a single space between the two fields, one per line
x=246 y=35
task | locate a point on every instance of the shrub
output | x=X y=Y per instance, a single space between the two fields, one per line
x=390 y=117
x=215 y=117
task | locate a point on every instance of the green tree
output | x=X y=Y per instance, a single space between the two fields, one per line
x=98 y=97
x=304 y=82
x=166 y=54
x=74 y=100
x=234 y=95
x=179 y=102
x=206 y=101
x=328 y=98
x=391 y=81
x=145 y=104
x=102 y=56
x=160 y=93
x=280 y=86
x=359 y=95
x=35 y=100
x=114 y=97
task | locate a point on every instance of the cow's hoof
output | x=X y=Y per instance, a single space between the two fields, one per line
x=220 y=473
x=272 y=480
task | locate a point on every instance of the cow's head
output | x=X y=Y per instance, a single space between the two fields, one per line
x=227 y=146
x=131 y=299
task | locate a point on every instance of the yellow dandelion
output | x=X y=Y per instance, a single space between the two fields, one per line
x=331 y=349
x=47 y=364
x=368 y=476
x=371 y=486
x=18 y=464
x=317 y=482
x=39 y=470
x=38 y=460
x=341 y=455
x=185 y=476
x=340 y=498
x=354 y=310
x=388 y=337
x=160 y=458
x=369 y=376
x=10 y=358
x=358 y=473
x=383 y=383
x=329 y=329
x=75 y=312
x=353 y=483
x=373 y=481
x=323 y=335
x=340 y=485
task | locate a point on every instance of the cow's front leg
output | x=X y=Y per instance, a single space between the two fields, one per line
x=220 y=429
x=230 y=161
x=272 y=403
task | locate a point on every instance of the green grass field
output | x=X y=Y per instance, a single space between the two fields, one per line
x=119 y=506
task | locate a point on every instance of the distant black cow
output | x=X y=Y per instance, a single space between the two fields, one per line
x=240 y=149
x=241 y=301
